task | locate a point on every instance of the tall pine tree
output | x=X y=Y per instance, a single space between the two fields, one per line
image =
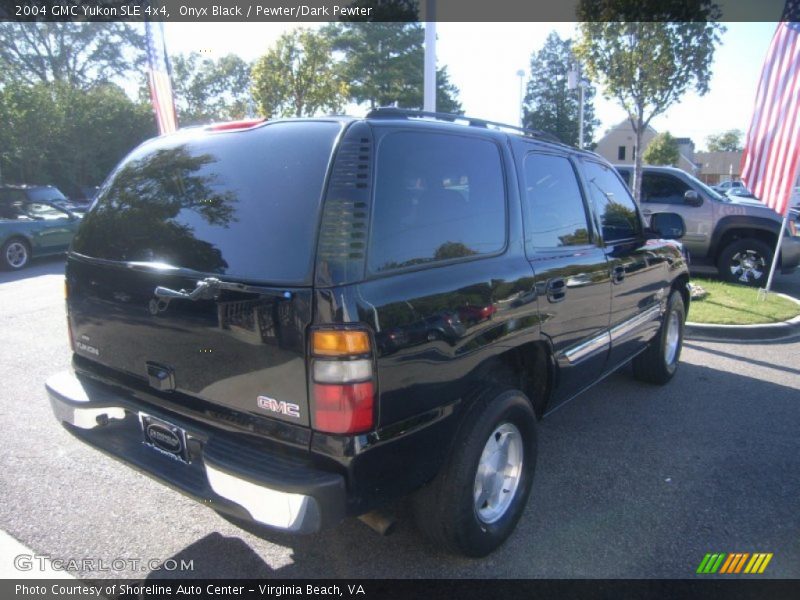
x=549 y=103
x=383 y=65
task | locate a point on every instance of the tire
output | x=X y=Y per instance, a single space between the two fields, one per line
x=660 y=361
x=746 y=262
x=15 y=254
x=447 y=511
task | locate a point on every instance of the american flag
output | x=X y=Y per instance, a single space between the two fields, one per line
x=158 y=76
x=772 y=148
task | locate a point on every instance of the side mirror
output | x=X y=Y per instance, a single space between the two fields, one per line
x=692 y=198
x=668 y=226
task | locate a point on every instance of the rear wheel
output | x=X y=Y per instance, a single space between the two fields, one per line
x=16 y=254
x=745 y=261
x=474 y=503
x=659 y=362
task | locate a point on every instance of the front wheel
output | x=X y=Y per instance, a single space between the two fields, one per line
x=474 y=503
x=659 y=362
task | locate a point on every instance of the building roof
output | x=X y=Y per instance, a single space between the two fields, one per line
x=625 y=124
x=718 y=163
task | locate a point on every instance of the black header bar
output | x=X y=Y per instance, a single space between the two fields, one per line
x=308 y=11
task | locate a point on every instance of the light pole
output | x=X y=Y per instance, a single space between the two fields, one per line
x=575 y=79
x=521 y=75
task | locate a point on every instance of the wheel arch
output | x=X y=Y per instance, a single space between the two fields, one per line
x=733 y=228
x=528 y=367
x=680 y=285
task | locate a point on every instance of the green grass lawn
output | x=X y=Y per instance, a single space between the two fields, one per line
x=730 y=304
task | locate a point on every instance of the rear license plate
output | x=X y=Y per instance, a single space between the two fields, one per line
x=164 y=437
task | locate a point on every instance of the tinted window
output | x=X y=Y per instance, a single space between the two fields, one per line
x=11 y=203
x=555 y=214
x=626 y=176
x=437 y=197
x=613 y=203
x=244 y=204
x=664 y=189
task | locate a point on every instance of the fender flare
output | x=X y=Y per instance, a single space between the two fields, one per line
x=733 y=222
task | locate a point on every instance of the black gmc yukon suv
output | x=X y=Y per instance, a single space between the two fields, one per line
x=298 y=321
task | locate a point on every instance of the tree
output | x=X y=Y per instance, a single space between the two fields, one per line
x=384 y=64
x=79 y=54
x=647 y=53
x=298 y=77
x=446 y=93
x=210 y=90
x=728 y=141
x=662 y=150
x=67 y=136
x=549 y=105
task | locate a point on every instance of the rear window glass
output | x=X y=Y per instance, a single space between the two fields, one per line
x=242 y=204
x=437 y=197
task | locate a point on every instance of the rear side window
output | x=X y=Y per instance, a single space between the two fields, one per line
x=555 y=214
x=612 y=202
x=244 y=204
x=437 y=197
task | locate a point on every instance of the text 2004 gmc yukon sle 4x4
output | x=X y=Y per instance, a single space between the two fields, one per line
x=302 y=320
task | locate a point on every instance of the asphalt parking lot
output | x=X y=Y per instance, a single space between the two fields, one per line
x=632 y=480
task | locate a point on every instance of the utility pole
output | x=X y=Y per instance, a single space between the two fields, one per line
x=575 y=80
x=429 y=93
x=521 y=75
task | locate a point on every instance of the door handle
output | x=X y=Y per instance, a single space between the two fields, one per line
x=618 y=274
x=556 y=289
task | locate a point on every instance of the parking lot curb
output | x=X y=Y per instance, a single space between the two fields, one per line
x=707 y=332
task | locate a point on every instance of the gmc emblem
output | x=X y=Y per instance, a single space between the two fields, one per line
x=284 y=408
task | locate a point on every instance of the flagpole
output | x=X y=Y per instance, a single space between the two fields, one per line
x=777 y=251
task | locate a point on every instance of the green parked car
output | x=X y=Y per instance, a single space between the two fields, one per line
x=31 y=225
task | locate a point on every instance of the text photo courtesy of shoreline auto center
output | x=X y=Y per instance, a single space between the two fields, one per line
x=400 y=298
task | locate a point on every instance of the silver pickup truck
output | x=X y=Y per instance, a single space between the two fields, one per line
x=737 y=237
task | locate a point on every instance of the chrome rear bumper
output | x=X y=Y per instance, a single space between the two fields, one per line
x=233 y=476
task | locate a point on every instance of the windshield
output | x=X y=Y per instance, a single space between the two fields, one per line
x=244 y=204
x=711 y=192
x=40 y=210
x=46 y=194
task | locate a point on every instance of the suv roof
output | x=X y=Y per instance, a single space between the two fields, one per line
x=458 y=122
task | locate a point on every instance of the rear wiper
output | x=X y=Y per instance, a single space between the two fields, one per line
x=209 y=288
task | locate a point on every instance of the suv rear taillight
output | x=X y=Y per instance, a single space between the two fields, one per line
x=343 y=387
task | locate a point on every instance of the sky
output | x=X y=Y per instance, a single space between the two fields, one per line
x=483 y=60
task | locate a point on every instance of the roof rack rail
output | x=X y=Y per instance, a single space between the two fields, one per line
x=392 y=112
